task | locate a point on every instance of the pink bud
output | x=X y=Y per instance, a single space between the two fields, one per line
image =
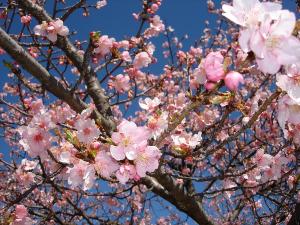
x=95 y=145
x=210 y=85
x=26 y=19
x=233 y=79
x=213 y=66
x=154 y=7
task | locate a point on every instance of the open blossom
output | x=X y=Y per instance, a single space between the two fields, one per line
x=288 y=111
x=262 y=159
x=186 y=140
x=126 y=56
x=82 y=173
x=267 y=31
x=21 y=216
x=121 y=83
x=233 y=80
x=125 y=173
x=158 y=123
x=198 y=76
x=87 y=130
x=104 y=45
x=290 y=82
x=147 y=160
x=141 y=60
x=149 y=104
x=248 y=13
x=128 y=138
x=101 y=4
x=51 y=29
x=35 y=140
x=213 y=66
x=105 y=164
x=156 y=27
x=273 y=43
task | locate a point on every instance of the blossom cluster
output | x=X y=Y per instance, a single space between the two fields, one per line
x=266 y=30
x=51 y=29
x=128 y=157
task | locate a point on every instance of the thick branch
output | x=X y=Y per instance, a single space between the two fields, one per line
x=295 y=219
x=164 y=186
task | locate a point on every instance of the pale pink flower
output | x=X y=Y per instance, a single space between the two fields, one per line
x=233 y=80
x=35 y=140
x=149 y=104
x=273 y=43
x=21 y=217
x=198 y=77
x=105 y=164
x=101 y=4
x=248 y=13
x=213 y=66
x=51 y=29
x=147 y=160
x=104 y=45
x=157 y=124
x=141 y=60
x=186 y=140
x=126 y=172
x=290 y=82
x=288 y=111
x=82 y=173
x=126 y=56
x=128 y=138
x=156 y=27
x=25 y=19
x=262 y=159
x=121 y=83
x=87 y=131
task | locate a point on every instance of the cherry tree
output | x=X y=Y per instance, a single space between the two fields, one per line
x=95 y=137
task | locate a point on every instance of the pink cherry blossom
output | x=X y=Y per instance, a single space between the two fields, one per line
x=87 y=131
x=51 y=29
x=128 y=138
x=290 y=82
x=25 y=19
x=126 y=172
x=248 y=13
x=35 y=140
x=105 y=164
x=147 y=160
x=156 y=27
x=21 y=217
x=101 y=4
x=121 y=83
x=288 y=111
x=149 y=104
x=82 y=173
x=272 y=42
x=213 y=66
x=141 y=60
x=126 y=56
x=233 y=80
x=104 y=46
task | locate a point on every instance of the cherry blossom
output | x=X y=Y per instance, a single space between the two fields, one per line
x=149 y=104
x=121 y=83
x=213 y=66
x=232 y=80
x=51 y=29
x=141 y=60
x=87 y=130
x=105 y=164
x=82 y=173
x=128 y=138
